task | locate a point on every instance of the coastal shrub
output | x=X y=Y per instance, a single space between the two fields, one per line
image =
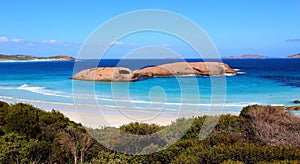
x=224 y=123
x=112 y=158
x=36 y=134
x=3 y=104
x=193 y=131
x=13 y=149
x=23 y=119
x=225 y=137
x=140 y=128
x=229 y=123
x=77 y=141
x=2 y=131
x=115 y=139
x=261 y=134
x=244 y=112
x=179 y=129
x=51 y=123
x=229 y=161
x=272 y=126
x=239 y=151
x=281 y=162
x=3 y=112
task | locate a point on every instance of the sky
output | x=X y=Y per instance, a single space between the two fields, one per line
x=236 y=27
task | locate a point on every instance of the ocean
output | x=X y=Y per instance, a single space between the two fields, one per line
x=47 y=84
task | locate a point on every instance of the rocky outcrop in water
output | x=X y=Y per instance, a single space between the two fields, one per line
x=165 y=70
x=296 y=101
x=106 y=74
x=184 y=68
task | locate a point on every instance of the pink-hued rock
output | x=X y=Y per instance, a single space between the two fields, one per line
x=165 y=70
x=185 y=68
x=105 y=74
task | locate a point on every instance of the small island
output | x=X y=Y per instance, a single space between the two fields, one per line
x=295 y=56
x=121 y=74
x=33 y=58
x=247 y=56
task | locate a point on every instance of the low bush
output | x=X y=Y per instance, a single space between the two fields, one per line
x=261 y=134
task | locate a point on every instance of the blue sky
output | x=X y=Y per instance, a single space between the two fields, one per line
x=46 y=28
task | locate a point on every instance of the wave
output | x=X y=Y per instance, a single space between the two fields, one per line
x=15 y=100
x=43 y=91
x=187 y=75
x=238 y=104
x=128 y=108
x=276 y=104
x=229 y=74
x=125 y=102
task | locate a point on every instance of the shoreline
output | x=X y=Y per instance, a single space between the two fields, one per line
x=95 y=118
x=111 y=120
x=99 y=118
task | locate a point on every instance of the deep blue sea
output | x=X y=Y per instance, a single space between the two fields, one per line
x=48 y=85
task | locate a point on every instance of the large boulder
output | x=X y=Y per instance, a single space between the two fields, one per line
x=165 y=70
x=296 y=101
x=106 y=74
x=185 y=68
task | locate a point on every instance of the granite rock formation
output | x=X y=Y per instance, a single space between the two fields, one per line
x=165 y=70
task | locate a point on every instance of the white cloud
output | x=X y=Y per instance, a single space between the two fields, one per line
x=118 y=43
x=132 y=44
x=29 y=44
x=58 y=42
x=4 y=39
x=16 y=40
x=52 y=42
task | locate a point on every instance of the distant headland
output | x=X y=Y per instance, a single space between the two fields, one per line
x=247 y=56
x=252 y=56
x=294 y=56
x=33 y=58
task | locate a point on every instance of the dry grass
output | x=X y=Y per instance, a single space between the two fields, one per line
x=273 y=126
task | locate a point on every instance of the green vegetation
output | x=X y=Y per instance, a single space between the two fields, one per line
x=261 y=134
x=31 y=135
x=16 y=57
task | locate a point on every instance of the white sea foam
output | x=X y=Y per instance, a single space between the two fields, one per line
x=187 y=75
x=229 y=74
x=16 y=100
x=238 y=104
x=43 y=91
x=167 y=107
x=134 y=102
x=277 y=105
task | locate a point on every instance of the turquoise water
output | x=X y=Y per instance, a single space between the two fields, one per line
x=48 y=85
